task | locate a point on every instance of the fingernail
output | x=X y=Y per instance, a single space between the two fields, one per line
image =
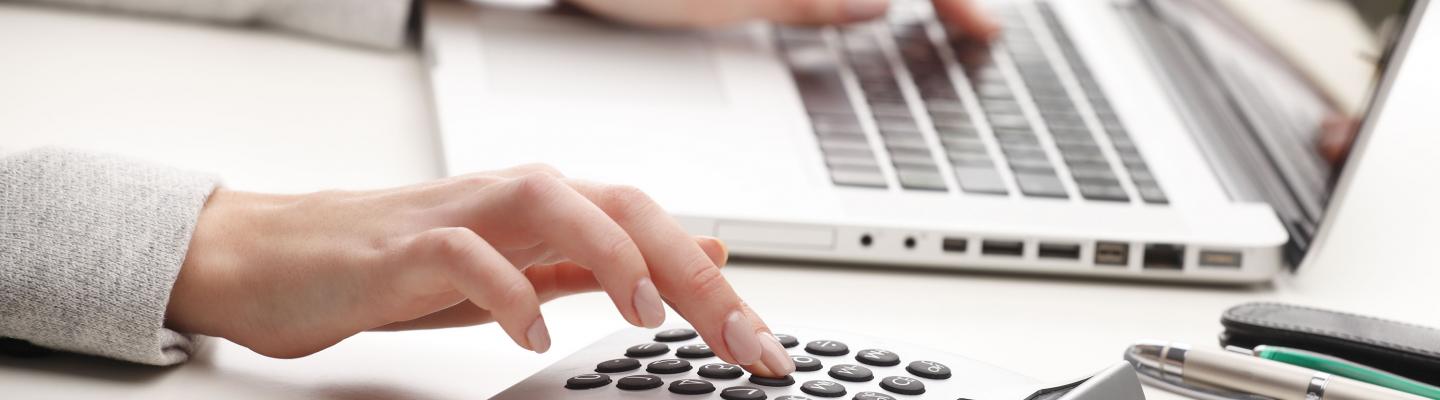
x=538 y=336
x=864 y=9
x=741 y=340
x=648 y=305
x=775 y=356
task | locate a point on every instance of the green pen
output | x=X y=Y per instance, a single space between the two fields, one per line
x=1341 y=367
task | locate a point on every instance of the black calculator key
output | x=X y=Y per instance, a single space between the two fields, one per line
x=929 y=369
x=872 y=396
x=647 y=350
x=823 y=388
x=902 y=385
x=617 y=365
x=699 y=350
x=827 y=348
x=851 y=372
x=787 y=341
x=590 y=381
x=806 y=363
x=721 y=371
x=671 y=366
x=691 y=386
x=783 y=381
x=883 y=358
x=742 y=393
x=639 y=382
x=675 y=335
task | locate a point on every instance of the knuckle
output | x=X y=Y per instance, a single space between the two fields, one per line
x=624 y=202
x=706 y=283
x=542 y=168
x=450 y=242
x=536 y=186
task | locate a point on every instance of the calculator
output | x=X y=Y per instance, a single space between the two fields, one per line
x=673 y=363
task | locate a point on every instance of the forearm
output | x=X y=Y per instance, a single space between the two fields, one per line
x=377 y=23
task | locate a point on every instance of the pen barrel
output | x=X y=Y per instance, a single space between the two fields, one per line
x=1276 y=380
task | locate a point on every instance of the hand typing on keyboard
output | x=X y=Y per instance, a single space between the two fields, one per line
x=963 y=15
x=289 y=275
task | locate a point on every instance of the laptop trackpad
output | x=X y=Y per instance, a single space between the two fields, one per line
x=564 y=59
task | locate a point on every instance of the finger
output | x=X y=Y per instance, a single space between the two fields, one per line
x=713 y=13
x=818 y=12
x=550 y=282
x=967 y=18
x=483 y=275
x=690 y=280
x=539 y=208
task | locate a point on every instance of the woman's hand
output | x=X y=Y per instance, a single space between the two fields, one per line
x=965 y=16
x=289 y=275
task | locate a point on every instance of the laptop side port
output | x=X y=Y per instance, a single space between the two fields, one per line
x=1164 y=256
x=1216 y=258
x=1014 y=248
x=955 y=245
x=1112 y=253
x=1068 y=251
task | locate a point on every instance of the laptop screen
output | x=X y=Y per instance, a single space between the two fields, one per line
x=1302 y=75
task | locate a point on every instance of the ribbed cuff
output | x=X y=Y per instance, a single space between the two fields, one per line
x=90 y=247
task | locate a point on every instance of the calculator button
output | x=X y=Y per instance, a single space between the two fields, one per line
x=721 y=371
x=639 y=382
x=902 y=385
x=675 y=335
x=700 y=350
x=883 y=358
x=783 y=381
x=827 y=348
x=617 y=365
x=647 y=350
x=929 y=369
x=742 y=393
x=787 y=341
x=823 y=388
x=872 y=396
x=590 y=381
x=806 y=363
x=671 y=366
x=851 y=372
x=691 y=386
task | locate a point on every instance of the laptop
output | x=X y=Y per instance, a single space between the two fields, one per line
x=1166 y=140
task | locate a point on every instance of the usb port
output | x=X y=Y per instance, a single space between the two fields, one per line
x=955 y=245
x=1112 y=253
x=1069 y=251
x=1164 y=256
x=1213 y=258
x=1014 y=248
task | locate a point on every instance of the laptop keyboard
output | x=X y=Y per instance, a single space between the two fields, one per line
x=949 y=115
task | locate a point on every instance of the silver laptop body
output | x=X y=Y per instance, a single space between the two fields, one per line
x=1081 y=143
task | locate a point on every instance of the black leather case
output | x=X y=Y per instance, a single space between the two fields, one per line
x=1398 y=347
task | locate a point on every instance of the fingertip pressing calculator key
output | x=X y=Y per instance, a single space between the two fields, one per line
x=673 y=363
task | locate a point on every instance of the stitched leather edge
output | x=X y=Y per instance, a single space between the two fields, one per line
x=1253 y=314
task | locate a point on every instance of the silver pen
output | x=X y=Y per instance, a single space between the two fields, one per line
x=1213 y=374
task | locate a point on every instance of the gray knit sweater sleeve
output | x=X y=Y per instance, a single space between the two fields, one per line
x=90 y=247
x=379 y=23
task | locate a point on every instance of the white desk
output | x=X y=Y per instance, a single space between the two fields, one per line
x=277 y=113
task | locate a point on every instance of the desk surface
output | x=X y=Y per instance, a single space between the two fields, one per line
x=251 y=106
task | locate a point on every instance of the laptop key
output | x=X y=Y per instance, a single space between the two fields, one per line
x=858 y=177
x=1152 y=194
x=921 y=179
x=976 y=179
x=1103 y=192
x=1040 y=185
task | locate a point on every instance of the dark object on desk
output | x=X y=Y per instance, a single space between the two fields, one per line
x=22 y=349
x=1402 y=348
